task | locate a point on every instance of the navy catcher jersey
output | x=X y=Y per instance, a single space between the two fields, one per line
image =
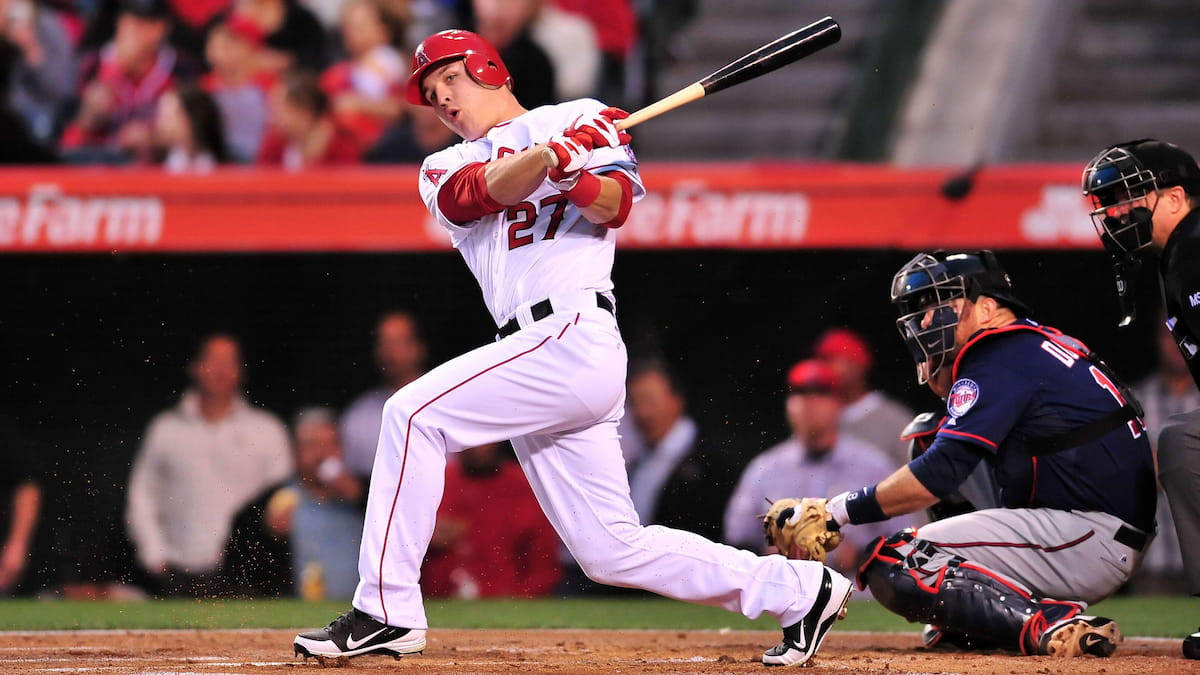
x=1023 y=383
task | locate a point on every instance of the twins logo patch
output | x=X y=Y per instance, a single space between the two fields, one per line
x=962 y=396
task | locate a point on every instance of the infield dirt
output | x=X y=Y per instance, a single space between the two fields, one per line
x=546 y=651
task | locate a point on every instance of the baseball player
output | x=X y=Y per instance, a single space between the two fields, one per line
x=1146 y=195
x=1068 y=452
x=532 y=198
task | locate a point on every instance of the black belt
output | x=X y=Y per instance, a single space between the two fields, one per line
x=543 y=309
x=1131 y=538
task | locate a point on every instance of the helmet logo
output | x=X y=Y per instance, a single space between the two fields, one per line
x=422 y=57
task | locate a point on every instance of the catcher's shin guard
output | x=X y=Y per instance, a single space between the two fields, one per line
x=922 y=583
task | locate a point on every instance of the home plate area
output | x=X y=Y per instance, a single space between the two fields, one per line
x=574 y=652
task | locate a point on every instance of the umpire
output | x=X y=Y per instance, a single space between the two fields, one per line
x=1146 y=197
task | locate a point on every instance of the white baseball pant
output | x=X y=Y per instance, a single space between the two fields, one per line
x=556 y=388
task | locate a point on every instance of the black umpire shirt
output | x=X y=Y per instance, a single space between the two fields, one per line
x=1180 y=272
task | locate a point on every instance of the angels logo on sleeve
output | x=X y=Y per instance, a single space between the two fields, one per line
x=962 y=396
x=434 y=175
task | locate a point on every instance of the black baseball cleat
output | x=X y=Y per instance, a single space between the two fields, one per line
x=1191 y=646
x=1080 y=635
x=355 y=633
x=801 y=640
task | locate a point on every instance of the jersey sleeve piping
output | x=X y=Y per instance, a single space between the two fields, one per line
x=970 y=437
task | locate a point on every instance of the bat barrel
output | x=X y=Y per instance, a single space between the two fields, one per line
x=787 y=49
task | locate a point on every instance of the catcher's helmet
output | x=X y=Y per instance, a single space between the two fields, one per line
x=481 y=59
x=923 y=290
x=1125 y=173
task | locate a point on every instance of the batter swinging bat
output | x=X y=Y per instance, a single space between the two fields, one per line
x=787 y=49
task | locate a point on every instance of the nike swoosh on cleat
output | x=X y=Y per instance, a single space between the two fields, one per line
x=351 y=643
x=1091 y=640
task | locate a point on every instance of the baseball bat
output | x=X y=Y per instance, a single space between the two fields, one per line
x=772 y=56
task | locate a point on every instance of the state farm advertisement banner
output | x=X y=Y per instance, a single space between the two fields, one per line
x=733 y=206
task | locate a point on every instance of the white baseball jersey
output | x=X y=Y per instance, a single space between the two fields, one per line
x=542 y=245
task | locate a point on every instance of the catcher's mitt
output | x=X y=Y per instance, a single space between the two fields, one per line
x=799 y=529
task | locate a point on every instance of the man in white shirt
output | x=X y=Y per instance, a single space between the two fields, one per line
x=200 y=463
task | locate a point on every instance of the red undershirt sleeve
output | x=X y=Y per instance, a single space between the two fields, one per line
x=626 y=199
x=464 y=197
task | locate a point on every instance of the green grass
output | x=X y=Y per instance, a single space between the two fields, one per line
x=1140 y=615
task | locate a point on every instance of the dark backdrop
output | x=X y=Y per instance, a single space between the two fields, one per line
x=93 y=346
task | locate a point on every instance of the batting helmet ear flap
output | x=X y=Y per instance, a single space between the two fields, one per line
x=485 y=71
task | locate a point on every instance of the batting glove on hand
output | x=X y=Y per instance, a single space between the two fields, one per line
x=601 y=128
x=571 y=155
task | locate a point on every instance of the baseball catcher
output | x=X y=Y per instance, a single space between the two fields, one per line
x=1072 y=467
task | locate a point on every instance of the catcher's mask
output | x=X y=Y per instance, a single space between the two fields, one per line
x=924 y=291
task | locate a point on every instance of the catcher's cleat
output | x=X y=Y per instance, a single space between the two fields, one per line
x=801 y=640
x=355 y=633
x=1080 y=635
x=1191 y=646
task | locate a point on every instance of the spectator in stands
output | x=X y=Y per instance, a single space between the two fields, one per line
x=507 y=24
x=328 y=13
x=429 y=17
x=616 y=27
x=20 y=506
x=200 y=463
x=116 y=114
x=294 y=39
x=17 y=142
x=400 y=356
x=193 y=19
x=238 y=87
x=868 y=414
x=570 y=42
x=303 y=131
x=418 y=134
x=40 y=66
x=1166 y=392
x=366 y=91
x=189 y=131
x=681 y=481
x=491 y=538
x=322 y=512
x=815 y=460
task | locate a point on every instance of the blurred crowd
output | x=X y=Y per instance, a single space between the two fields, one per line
x=225 y=499
x=193 y=84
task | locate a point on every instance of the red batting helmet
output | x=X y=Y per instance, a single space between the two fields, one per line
x=480 y=58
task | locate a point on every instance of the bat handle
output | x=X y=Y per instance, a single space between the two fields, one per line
x=682 y=97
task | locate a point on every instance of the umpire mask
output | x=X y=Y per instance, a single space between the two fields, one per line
x=1114 y=180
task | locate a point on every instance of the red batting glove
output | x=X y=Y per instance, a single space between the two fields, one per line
x=601 y=128
x=572 y=152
